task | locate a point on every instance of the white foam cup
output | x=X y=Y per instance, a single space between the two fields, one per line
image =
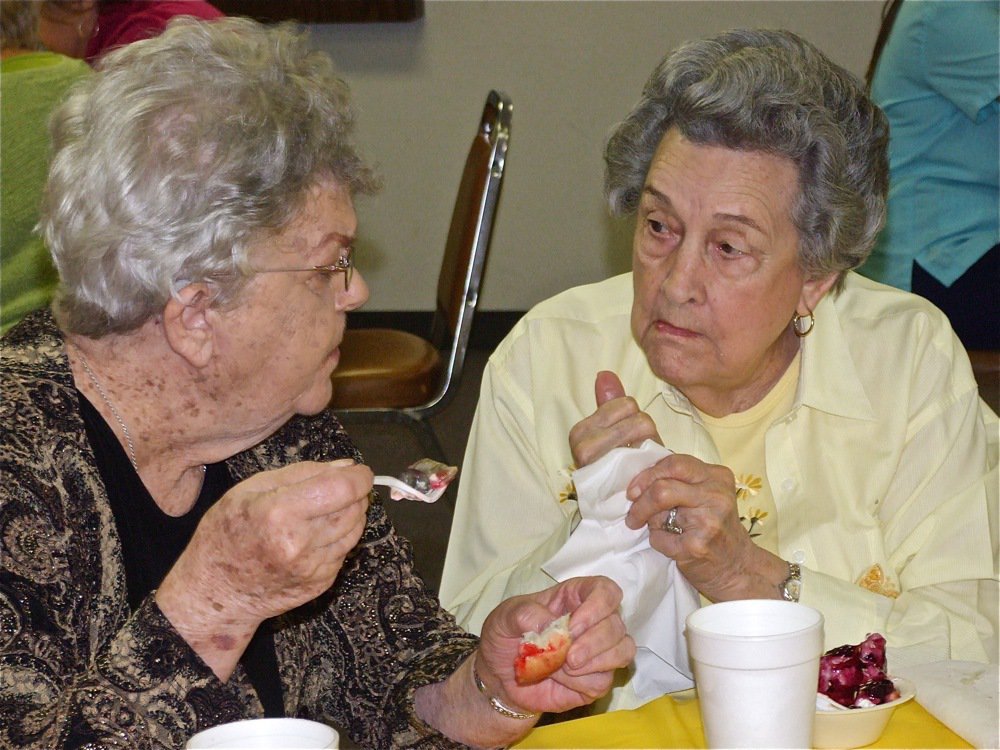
x=756 y=669
x=267 y=734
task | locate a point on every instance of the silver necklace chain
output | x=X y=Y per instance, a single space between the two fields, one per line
x=114 y=411
x=111 y=406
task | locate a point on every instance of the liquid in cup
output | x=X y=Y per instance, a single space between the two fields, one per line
x=756 y=669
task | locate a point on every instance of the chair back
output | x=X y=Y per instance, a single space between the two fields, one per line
x=468 y=242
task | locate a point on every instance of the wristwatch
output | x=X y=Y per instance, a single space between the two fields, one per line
x=791 y=588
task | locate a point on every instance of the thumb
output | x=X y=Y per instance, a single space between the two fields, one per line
x=607 y=387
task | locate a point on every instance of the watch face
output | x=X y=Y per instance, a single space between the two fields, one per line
x=793 y=589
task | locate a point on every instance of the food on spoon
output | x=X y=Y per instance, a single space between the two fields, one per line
x=417 y=479
x=541 y=654
x=427 y=476
x=855 y=676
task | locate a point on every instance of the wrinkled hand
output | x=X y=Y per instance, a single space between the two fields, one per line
x=715 y=552
x=618 y=421
x=600 y=644
x=273 y=542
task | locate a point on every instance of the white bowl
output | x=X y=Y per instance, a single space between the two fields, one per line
x=856 y=727
x=267 y=734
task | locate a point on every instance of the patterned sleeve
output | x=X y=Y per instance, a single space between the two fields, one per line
x=75 y=669
x=380 y=637
x=377 y=635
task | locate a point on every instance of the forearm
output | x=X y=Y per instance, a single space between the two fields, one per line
x=931 y=623
x=456 y=708
x=898 y=536
x=760 y=577
x=217 y=637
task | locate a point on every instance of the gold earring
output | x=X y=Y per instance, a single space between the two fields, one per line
x=800 y=329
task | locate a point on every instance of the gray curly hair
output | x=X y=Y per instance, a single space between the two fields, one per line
x=771 y=91
x=179 y=153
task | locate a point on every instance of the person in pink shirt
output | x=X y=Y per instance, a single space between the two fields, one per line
x=86 y=29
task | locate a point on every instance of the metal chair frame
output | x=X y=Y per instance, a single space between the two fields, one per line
x=452 y=322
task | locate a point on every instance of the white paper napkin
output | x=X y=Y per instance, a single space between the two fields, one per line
x=657 y=598
x=962 y=695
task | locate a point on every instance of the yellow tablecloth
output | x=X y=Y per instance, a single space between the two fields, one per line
x=674 y=722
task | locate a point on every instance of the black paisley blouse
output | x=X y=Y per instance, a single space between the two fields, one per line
x=78 y=670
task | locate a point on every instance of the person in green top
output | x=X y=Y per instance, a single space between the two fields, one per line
x=32 y=80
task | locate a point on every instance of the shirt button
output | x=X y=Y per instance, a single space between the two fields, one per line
x=788 y=485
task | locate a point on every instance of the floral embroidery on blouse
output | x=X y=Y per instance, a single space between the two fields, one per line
x=747 y=486
x=876 y=581
x=569 y=491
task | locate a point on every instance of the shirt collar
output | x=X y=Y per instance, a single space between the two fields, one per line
x=829 y=380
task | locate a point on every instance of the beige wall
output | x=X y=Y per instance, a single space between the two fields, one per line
x=572 y=69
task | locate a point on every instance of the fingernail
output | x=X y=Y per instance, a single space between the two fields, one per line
x=343 y=462
x=632 y=493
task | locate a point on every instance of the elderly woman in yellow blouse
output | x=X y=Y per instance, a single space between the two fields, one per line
x=829 y=443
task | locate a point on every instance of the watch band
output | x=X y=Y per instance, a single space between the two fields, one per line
x=498 y=705
x=791 y=588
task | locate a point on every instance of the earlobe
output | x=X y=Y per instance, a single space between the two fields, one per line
x=812 y=292
x=188 y=324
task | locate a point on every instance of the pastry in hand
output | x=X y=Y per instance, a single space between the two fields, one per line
x=541 y=654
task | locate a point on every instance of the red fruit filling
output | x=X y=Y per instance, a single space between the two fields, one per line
x=854 y=676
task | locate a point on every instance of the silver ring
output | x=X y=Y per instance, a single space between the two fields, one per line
x=671 y=524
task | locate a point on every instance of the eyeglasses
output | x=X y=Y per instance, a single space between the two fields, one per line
x=344 y=265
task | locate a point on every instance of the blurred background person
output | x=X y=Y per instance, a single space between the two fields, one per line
x=33 y=80
x=830 y=445
x=935 y=72
x=86 y=29
x=188 y=535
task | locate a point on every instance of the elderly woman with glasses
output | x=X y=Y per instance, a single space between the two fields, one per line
x=829 y=444
x=187 y=537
